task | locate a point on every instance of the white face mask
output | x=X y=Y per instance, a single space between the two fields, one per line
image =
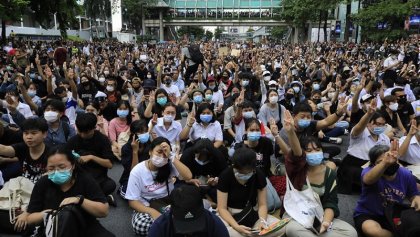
x=110 y=88
x=393 y=107
x=102 y=79
x=159 y=161
x=274 y=99
x=51 y=116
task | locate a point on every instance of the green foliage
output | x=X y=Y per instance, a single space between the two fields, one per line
x=135 y=9
x=66 y=12
x=217 y=33
x=12 y=9
x=197 y=31
x=97 y=8
x=209 y=35
x=278 y=32
x=393 y=12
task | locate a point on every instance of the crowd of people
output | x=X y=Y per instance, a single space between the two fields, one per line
x=212 y=144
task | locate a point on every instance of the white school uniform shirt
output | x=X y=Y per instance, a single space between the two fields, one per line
x=217 y=98
x=360 y=145
x=141 y=186
x=23 y=108
x=412 y=155
x=416 y=107
x=213 y=131
x=172 y=134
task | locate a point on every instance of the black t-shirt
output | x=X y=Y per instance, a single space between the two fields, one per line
x=31 y=169
x=87 y=95
x=356 y=117
x=47 y=195
x=239 y=194
x=391 y=121
x=216 y=165
x=405 y=112
x=10 y=137
x=264 y=150
x=100 y=146
x=127 y=158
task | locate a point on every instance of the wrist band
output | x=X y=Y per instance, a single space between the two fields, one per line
x=81 y=199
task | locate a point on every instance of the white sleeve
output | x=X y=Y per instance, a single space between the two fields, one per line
x=134 y=186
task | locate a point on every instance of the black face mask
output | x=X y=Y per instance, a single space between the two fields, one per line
x=277 y=69
x=168 y=81
x=402 y=100
x=85 y=83
x=289 y=96
x=391 y=170
x=316 y=101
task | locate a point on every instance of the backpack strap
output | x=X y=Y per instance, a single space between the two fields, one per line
x=66 y=129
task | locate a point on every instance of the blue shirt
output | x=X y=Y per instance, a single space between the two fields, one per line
x=58 y=137
x=374 y=197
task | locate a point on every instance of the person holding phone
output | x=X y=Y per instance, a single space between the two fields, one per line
x=305 y=163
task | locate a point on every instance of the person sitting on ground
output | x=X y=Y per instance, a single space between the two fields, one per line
x=95 y=153
x=166 y=126
x=409 y=145
x=188 y=217
x=150 y=184
x=59 y=128
x=306 y=169
x=385 y=184
x=72 y=190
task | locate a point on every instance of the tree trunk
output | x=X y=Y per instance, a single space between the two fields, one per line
x=319 y=24
x=347 y=28
x=3 y=31
x=325 y=25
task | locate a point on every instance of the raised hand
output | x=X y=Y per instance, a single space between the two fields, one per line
x=134 y=143
x=392 y=155
x=152 y=97
x=154 y=119
x=289 y=123
x=413 y=128
x=372 y=107
x=273 y=127
x=191 y=119
x=342 y=105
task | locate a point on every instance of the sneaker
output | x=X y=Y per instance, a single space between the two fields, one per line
x=111 y=200
x=336 y=140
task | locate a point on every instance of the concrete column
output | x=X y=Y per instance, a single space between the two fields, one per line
x=80 y=23
x=160 y=25
x=55 y=21
x=296 y=35
x=143 y=25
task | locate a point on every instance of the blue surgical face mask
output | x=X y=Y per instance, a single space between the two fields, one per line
x=245 y=83
x=378 y=130
x=304 y=123
x=248 y=114
x=314 y=158
x=122 y=113
x=296 y=89
x=198 y=99
x=209 y=97
x=143 y=138
x=32 y=93
x=206 y=118
x=60 y=177
x=254 y=136
x=316 y=87
x=32 y=75
x=168 y=118
x=243 y=177
x=162 y=101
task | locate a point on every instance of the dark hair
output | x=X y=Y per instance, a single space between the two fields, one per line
x=169 y=104
x=138 y=125
x=387 y=99
x=194 y=91
x=37 y=124
x=244 y=158
x=86 y=122
x=203 y=145
x=305 y=141
x=247 y=104
x=316 y=92
x=302 y=107
x=129 y=118
x=208 y=89
x=395 y=90
x=56 y=104
x=63 y=150
x=250 y=121
x=200 y=109
x=164 y=171
x=375 y=152
x=160 y=91
x=375 y=116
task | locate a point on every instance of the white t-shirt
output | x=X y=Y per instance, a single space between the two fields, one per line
x=389 y=61
x=141 y=186
x=173 y=91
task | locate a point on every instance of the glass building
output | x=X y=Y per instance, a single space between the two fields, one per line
x=222 y=8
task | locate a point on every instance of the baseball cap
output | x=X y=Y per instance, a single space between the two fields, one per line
x=149 y=83
x=366 y=98
x=188 y=210
x=346 y=68
x=272 y=82
x=100 y=94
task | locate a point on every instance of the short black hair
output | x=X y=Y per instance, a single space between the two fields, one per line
x=375 y=116
x=201 y=108
x=38 y=124
x=138 y=126
x=244 y=158
x=304 y=143
x=250 y=121
x=302 y=107
x=247 y=104
x=86 y=122
x=375 y=152
x=56 y=104
x=395 y=90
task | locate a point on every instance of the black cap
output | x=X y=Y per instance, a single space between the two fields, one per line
x=149 y=83
x=188 y=210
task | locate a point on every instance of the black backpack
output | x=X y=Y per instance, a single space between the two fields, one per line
x=195 y=54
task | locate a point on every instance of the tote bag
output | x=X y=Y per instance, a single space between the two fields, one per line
x=302 y=206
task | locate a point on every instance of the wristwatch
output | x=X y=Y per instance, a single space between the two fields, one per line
x=81 y=199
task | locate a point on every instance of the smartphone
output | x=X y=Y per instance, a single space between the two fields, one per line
x=316 y=226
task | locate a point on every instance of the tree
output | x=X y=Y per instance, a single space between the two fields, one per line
x=10 y=10
x=209 y=35
x=217 y=33
x=197 y=31
x=278 y=32
x=65 y=11
x=97 y=9
x=134 y=9
x=392 y=13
